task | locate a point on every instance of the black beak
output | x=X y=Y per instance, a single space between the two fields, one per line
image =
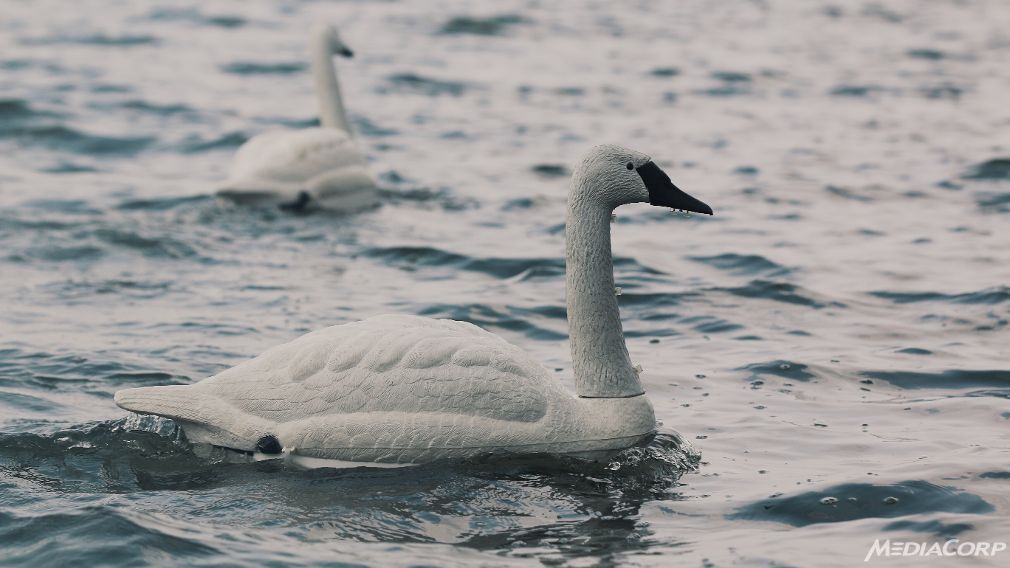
x=663 y=193
x=346 y=52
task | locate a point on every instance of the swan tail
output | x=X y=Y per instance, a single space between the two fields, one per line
x=203 y=416
x=180 y=402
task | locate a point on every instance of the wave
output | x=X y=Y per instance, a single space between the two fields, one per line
x=551 y=171
x=988 y=296
x=531 y=322
x=665 y=72
x=857 y=91
x=743 y=264
x=366 y=127
x=230 y=140
x=67 y=371
x=414 y=83
x=159 y=493
x=779 y=292
x=731 y=84
x=197 y=17
x=926 y=53
x=998 y=202
x=996 y=169
x=254 y=68
x=159 y=109
x=72 y=289
x=162 y=203
x=998 y=379
x=21 y=110
x=66 y=139
x=490 y=26
x=847 y=193
x=412 y=257
x=854 y=501
x=443 y=197
x=102 y=40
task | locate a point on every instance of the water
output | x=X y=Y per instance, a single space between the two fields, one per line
x=832 y=346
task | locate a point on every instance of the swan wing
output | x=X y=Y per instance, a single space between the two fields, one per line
x=389 y=364
x=385 y=364
x=294 y=157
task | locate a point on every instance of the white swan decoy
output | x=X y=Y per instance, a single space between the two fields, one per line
x=322 y=167
x=399 y=389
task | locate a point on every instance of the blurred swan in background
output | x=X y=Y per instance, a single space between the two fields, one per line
x=313 y=167
x=399 y=389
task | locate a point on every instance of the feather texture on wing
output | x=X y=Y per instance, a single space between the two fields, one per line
x=389 y=363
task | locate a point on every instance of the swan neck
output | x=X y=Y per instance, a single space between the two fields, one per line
x=331 y=106
x=599 y=355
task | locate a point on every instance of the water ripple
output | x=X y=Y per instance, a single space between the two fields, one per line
x=743 y=264
x=990 y=296
x=780 y=292
x=64 y=138
x=948 y=379
x=490 y=26
x=852 y=501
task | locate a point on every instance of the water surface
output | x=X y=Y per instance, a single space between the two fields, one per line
x=831 y=347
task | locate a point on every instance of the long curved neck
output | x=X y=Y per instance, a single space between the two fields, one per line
x=600 y=357
x=331 y=107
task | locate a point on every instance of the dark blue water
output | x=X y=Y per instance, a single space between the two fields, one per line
x=831 y=347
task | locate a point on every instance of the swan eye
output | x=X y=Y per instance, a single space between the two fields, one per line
x=631 y=166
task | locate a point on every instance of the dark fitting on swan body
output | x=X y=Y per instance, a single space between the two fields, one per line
x=663 y=193
x=298 y=205
x=269 y=445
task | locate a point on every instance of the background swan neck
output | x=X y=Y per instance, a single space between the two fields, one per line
x=331 y=107
x=599 y=355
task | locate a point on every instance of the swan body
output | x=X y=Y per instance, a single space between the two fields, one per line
x=400 y=389
x=321 y=167
x=394 y=389
x=292 y=168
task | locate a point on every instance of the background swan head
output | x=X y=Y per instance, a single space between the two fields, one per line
x=328 y=36
x=612 y=176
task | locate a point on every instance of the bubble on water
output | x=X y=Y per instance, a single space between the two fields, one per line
x=890 y=500
x=829 y=500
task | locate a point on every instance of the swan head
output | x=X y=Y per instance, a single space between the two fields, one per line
x=330 y=38
x=612 y=176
